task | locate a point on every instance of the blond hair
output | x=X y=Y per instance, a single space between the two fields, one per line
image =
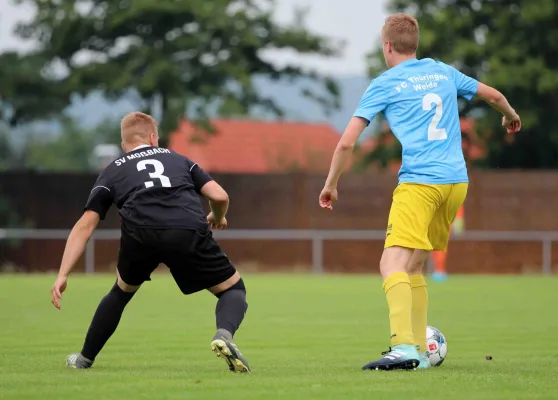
x=137 y=127
x=402 y=31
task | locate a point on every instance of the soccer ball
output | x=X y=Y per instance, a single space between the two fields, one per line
x=436 y=346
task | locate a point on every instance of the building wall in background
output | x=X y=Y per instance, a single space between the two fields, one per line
x=497 y=201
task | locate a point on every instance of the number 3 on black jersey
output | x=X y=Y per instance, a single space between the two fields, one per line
x=156 y=174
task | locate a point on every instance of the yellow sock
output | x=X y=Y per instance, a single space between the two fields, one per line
x=419 y=310
x=400 y=302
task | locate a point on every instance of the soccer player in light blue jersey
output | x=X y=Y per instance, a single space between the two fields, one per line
x=418 y=97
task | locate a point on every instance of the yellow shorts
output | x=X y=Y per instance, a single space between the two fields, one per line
x=421 y=215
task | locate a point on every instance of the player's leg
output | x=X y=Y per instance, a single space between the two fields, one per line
x=104 y=323
x=135 y=264
x=198 y=264
x=231 y=305
x=440 y=228
x=229 y=314
x=438 y=234
x=411 y=213
x=397 y=288
x=419 y=310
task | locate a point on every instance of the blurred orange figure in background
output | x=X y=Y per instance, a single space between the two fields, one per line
x=439 y=257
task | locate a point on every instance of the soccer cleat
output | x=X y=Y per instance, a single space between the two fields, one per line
x=424 y=363
x=76 y=360
x=229 y=351
x=402 y=356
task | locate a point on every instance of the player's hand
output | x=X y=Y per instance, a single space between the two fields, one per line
x=328 y=197
x=57 y=289
x=511 y=125
x=216 y=224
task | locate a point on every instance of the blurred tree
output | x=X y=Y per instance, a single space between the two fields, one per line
x=510 y=44
x=69 y=151
x=7 y=153
x=28 y=90
x=107 y=132
x=172 y=55
x=72 y=149
x=10 y=158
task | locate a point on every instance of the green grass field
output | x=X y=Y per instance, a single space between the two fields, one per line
x=305 y=336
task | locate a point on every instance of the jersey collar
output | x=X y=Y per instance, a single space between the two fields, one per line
x=409 y=61
x=140 y=147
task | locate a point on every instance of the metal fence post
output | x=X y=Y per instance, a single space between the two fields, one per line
x=547 y=257
x=90 y=256
x=317 y=255
x=317 y=237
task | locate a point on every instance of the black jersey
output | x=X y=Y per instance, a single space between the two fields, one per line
x=152 y=187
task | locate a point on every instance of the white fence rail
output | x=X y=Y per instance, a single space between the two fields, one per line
x=317 y=237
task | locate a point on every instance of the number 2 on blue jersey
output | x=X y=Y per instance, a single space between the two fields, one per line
x=434 y=133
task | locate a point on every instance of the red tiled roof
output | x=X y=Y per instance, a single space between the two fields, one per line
x=260 y=147
x=245 y=146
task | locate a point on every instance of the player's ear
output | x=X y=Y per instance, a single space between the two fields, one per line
x=153 y=139
x=122 y=145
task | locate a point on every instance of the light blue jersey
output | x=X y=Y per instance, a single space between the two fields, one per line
x=419 y=100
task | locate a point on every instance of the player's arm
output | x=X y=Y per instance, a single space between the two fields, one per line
x=213 y=192
x=372 y=102
x=99 y=201
x=75 y=247
x=467 y=87
x=218 y=199
x=344 y=150
x=77 y=240
x=497 y=100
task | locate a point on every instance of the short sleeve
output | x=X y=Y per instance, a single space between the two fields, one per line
x=101 y=196
x=466 y=86
x=373 y=101
x=199 y=176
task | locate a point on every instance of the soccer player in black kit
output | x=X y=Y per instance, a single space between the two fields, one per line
x=156 y=192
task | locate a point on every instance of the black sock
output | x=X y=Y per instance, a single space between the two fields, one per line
x=231 y=308
x=105 y=321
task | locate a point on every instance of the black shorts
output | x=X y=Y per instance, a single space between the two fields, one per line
x=194 y=258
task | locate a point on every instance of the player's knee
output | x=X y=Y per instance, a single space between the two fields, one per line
x=122 y=295
x=417 y=262
x=125 y=287
x=394 y=259
x=236 y=294
x=415 y=268
x=237 y=289
x=226 y=284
